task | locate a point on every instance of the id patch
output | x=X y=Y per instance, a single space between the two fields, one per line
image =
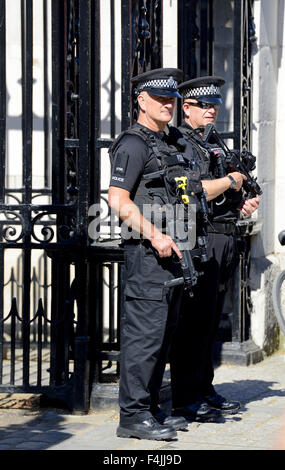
x=121 y=164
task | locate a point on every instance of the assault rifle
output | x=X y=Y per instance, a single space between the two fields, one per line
x=188 y=187
x=181 y=186
x=189 y=273
x=185 y=188
x=233 y=160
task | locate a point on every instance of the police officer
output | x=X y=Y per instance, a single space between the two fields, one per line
x=192 y=371
x=150 y=309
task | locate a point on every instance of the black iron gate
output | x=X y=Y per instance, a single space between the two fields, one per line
x=60 y=279
x=43 y=335
x=58 y=328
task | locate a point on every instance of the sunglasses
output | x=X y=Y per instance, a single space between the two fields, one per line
x=203 y=105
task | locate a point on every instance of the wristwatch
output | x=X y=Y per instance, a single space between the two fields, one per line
x=233 y=182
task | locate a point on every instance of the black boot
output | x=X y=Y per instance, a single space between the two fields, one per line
x=199 y=411
x=147 y=429
x=221 y=403
x=177 y=422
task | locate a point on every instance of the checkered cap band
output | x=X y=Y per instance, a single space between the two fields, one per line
x=201 y=91
x=168 y=83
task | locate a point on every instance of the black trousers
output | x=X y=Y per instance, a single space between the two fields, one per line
x=148 y=323
x=191 y=356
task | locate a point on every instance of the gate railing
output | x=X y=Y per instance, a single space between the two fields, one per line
x=60 y=342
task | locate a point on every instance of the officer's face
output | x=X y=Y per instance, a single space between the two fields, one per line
x=199 y=117
x=156 y=111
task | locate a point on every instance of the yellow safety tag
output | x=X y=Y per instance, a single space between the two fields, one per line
x=185 y=199
x=182 y=184
x=182 y=180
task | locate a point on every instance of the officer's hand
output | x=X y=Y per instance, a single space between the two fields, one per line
x=239 y=179
x=164 y=245
x=249 y=205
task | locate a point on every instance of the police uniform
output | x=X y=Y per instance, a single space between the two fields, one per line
x=150 y=309
x=192 y=368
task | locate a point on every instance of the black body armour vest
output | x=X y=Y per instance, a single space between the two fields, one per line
x=174 y=183
x=202 y=154
x=173 y=177
x=224 y=207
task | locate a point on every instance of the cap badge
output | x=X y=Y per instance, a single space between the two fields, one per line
x=171 y=82
x=212 y=89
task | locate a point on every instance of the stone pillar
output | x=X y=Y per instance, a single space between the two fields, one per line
x=267 y=133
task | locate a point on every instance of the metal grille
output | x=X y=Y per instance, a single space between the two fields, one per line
x=60 y=293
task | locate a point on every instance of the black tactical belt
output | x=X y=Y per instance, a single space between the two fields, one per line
x=222 y=227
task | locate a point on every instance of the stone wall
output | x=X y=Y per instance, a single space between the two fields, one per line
x=267 y=131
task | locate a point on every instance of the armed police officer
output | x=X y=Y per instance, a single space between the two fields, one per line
x=150 y=309
x=148 y=170
x=192 y=371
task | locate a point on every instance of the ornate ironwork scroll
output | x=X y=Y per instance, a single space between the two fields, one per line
x=145 y=49
x=244 y=39
x=71 y=99
x=147 y=39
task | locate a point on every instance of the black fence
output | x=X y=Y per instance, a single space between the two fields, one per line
x=60 y=282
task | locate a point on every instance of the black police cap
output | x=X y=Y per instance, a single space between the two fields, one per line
x=159 y=82
x=205 y=89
